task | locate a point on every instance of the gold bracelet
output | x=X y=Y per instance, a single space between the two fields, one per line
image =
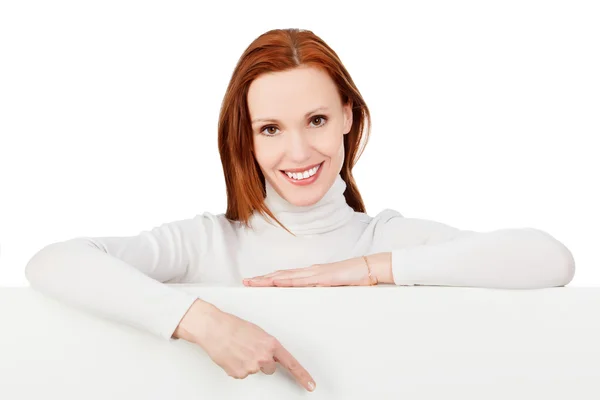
x=371 y=278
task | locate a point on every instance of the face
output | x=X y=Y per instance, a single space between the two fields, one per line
x=298 y=124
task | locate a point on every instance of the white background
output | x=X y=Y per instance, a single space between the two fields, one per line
x=485 y=114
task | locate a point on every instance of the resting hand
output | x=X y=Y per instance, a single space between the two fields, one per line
x=350 y=272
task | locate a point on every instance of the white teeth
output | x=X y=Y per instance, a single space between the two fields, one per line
x=303 y=175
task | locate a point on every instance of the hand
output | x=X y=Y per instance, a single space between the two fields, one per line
x=350 y=272
x=238 y=346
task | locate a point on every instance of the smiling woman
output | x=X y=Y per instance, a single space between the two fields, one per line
x=291 y=128
x=308 y=146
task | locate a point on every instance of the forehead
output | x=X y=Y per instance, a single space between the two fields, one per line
x=290 y=94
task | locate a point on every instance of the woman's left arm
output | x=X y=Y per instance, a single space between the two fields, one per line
x=516 y=258
x=430 y=253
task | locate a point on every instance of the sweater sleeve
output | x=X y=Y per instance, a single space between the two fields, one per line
x=122 y=278
x=431 y=253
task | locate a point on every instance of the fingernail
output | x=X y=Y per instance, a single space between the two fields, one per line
x=311 y=386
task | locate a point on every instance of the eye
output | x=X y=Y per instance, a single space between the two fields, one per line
x=272 y=134
x=320 y=118
x=267 y=127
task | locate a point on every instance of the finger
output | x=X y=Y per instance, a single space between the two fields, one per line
x=272 y=274
x=260 y=282
x=269 y=368
x=315 y=280
x=268 y=281
x=266 y=275
x=256 y=281
x=284 y=271
x=289 y=275
x=250 y=281
x=288 y=361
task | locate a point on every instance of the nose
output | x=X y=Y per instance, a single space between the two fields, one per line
x=299 y=147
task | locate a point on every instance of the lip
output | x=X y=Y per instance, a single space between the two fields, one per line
x=301 y=169
x=306 y=181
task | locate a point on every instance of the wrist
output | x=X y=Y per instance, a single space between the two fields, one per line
x=194 y=323
x=381 y=266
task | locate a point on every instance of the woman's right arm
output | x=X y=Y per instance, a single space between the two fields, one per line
x=121 y=278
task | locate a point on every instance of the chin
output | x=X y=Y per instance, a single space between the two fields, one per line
x=304 y=197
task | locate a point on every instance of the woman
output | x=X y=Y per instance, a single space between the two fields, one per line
x=290 y=130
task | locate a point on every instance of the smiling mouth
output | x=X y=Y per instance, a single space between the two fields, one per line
x=306 y=169
x=306 y=176
x=313 y=168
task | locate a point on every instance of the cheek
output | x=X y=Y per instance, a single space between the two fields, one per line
x=341 y=150
x=266 y=155
x=333 y=145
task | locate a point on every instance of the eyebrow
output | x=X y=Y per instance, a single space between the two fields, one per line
x=323 y=108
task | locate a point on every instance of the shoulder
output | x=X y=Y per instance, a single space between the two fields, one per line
x=378 y=219
x=397 y=230
x=204 y=222
x=386 y=215
x=211 y=224
x=209 y=219
x=384 y=220
x=377 y=225
x=198 y=230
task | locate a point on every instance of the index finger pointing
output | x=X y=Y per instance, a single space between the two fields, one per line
x=302 y=376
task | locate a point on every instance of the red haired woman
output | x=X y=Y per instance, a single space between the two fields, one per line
x=292 y=126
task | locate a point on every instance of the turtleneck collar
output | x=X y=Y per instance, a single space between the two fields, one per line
x=329 y=213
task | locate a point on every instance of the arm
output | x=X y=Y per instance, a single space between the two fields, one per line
x=424 y=252
x=121 y=278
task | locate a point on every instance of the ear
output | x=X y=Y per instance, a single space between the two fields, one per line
x=347 y=117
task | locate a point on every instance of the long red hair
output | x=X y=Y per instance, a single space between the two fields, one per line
x=274 y=51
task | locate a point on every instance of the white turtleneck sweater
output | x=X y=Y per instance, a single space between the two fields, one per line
x=121 y=278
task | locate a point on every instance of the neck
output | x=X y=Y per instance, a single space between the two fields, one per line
x=327 y=214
